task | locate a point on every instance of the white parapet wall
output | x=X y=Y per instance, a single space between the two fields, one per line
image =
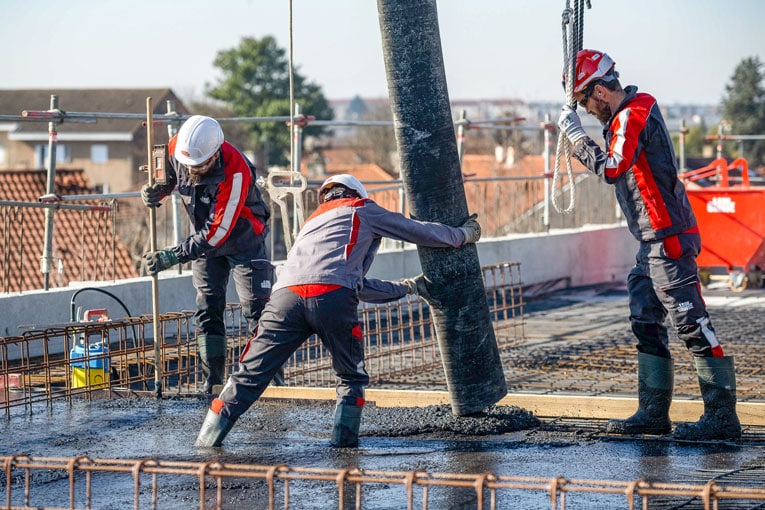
x=585 y=256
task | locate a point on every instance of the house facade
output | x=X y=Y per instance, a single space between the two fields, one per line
x=109 y=150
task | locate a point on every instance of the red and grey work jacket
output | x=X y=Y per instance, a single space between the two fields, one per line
x=225 y=206
x=640 y=162
x=338 y=242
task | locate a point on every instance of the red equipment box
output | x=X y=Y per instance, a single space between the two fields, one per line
x=731 y=218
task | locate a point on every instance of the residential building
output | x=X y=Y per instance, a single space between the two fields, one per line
x=109 y=150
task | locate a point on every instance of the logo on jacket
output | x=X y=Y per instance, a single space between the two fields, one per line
x=204 y=199
x=265 y=284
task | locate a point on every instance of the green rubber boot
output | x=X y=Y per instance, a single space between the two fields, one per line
x=214 y=430
x=212 y=357
x=717 y=380
x=655 y=385
x=345 y=433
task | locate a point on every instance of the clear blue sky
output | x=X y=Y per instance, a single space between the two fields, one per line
x=682 y=51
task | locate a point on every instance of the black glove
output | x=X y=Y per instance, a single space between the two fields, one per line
x=471 y=229
x=151 y=195
x=157 y=261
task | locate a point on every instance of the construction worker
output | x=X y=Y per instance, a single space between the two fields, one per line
x=640 y=162
x=317 y=291
x=229 y=219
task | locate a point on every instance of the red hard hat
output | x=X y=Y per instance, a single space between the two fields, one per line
x=590 y=65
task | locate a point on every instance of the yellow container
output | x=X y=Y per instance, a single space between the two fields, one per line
x=94 y=377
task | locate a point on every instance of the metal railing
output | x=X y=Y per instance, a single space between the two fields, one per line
x=505 y=205
x=115 y=357
x=214 y=484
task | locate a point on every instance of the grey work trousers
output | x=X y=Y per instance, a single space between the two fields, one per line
x=665 y=282
x=253 y=275
x=287 y=321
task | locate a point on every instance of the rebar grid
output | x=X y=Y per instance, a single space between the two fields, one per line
x=399 y=337
x=38 y=366
x=279 y=480
x=399 y=341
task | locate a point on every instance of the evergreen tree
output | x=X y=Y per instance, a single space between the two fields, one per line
x=744 y=107
x=255 y=83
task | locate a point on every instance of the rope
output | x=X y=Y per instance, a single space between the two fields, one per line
x=573 y=39
x=292 y=101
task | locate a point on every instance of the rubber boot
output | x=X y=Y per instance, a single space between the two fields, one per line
x=717 y=380
x=213 y=370
x=345 y=433
x=214 y=429
x=212 y=357
x=655 y=384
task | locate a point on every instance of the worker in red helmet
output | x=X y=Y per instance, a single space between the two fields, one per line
x=229 y=220
x=639 y=161
x=317 y=291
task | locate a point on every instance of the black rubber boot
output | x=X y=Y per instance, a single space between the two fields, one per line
x=212 y=357
x=214 y=430
x=345 y=433
x=717 y=380
x=655 y=384
x=213 y=370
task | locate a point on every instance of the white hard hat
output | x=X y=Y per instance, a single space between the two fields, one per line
x=346 y=180
x=198 y=139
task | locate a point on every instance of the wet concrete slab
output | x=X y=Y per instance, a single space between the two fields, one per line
x=563 y=332
x=392 y=439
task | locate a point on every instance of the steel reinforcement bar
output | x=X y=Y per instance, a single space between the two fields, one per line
x=214 y=484
x=54 y=363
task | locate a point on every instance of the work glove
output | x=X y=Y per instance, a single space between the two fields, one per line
x=151 y=195
x=570 y=124
x=416 y=284
x=419 y=285
x=157 y=261
x=471 y=229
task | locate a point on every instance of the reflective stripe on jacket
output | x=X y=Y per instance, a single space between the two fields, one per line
x=225 y=206
x=640 y=163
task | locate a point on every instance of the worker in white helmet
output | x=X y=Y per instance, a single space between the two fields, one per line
x=229 y=219
x=317 y=291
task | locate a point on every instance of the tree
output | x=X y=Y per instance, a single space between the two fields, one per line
x=255 y=83
x=744 y=106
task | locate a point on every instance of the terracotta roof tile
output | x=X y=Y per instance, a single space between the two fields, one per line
x=76 y=233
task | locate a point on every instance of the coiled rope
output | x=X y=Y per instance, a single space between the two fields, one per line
x=573 y=39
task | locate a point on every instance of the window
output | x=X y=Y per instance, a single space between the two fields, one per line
x=99 y=153
x=63 y=155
